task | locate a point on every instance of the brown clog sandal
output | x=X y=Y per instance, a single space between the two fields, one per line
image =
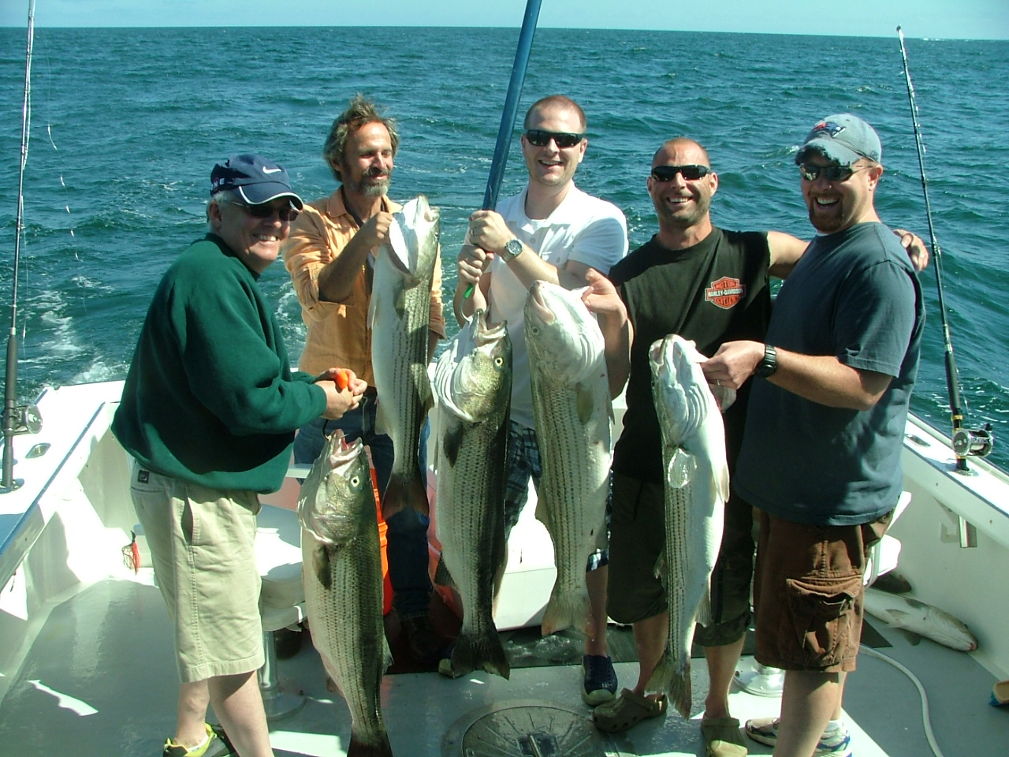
x=722 y=738
x=627 y=710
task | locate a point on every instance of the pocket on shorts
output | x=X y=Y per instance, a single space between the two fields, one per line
x=823 y=617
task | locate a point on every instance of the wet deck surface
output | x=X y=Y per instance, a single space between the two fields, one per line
x=101 y=679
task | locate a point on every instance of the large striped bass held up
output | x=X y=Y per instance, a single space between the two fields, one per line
x=398 y=319
x=572 y=412
x=472 y=389
x=342 y=576
x=696 y=488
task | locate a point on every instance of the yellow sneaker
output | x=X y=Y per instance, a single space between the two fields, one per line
x=211 y=746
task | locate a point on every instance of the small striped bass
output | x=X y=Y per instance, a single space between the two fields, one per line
x=913 y=615
x=696 y=488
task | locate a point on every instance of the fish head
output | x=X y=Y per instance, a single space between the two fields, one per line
x=679 y=389
x=413 y=237
x=336 y=491
x=473 y=378
x=561 y=335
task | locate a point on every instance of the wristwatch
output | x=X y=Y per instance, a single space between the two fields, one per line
x=511 y=250
x=769 y=364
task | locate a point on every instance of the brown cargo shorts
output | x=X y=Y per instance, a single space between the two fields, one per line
x=808 y=592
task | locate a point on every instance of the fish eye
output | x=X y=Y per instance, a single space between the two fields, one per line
x=498 y=362
x=355 y=481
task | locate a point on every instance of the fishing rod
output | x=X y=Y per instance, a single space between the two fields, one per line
x=14 y=417
x=504 y=133
x=966 y=442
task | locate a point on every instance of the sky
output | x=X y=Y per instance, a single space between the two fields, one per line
x=945 y=19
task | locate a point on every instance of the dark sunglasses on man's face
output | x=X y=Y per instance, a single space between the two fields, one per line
x=266 y=210
x=832 y=173
x=541 y=138
x=690 y=173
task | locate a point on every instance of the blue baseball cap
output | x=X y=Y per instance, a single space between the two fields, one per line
x=843 y=138
x=255 y=178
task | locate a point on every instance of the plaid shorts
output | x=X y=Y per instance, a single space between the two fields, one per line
x=522 y=463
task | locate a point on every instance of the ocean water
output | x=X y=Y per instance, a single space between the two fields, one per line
x=127 y=123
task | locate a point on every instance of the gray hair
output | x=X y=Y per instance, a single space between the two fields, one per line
x=224 y=196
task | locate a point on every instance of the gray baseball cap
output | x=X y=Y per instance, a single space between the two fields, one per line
x=843 y=138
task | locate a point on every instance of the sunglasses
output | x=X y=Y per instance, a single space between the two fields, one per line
x=831 y=173
x=690 y=173
x=266 y=210
x=541 y=138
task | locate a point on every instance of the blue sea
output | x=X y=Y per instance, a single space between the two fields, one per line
x=127 y=123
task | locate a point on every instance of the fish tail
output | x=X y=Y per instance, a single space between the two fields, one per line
x=405 y=491
x=566 y=611
x=482 y=652
x=662 y=674
x=673 y=677
x=377 y=746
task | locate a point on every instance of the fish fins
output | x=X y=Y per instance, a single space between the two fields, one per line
x=442 y=577
x=704 y=615
x=361 y=748
x=565 y=612
x=681 y=468
x=382 y=425
x=320 y=563
x=451 y=442
x=584 y=403
x=721 y=482
x=479 y=653
x=403 y=492
x=673 y=677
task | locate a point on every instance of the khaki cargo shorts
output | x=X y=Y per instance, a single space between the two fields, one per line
x=202 y=547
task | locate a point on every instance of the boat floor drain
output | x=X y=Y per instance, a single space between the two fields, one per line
x=526 y=728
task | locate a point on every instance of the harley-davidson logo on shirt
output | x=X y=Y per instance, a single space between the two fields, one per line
x=726 y=292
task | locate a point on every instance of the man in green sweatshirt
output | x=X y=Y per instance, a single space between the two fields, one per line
x=208 y=413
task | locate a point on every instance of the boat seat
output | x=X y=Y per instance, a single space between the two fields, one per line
x=883 y=554
x=281 y=598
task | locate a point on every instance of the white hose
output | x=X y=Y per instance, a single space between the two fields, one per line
x=926 y=721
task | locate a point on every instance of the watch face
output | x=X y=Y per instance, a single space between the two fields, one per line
x=512 y=249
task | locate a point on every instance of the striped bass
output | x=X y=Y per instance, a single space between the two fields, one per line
x=572 y=412
x=398 y=319
x=920 y=618
x=472 y=390
x=696 y=488
x=342 y=575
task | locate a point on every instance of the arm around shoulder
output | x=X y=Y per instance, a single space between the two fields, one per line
x=785 y=251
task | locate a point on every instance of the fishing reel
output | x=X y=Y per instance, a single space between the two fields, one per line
x=24 y=419
x=973 y=442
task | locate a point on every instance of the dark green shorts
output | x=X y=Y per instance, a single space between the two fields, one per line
x=636 y=542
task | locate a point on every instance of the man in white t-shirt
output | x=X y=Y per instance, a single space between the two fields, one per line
x=551 y=231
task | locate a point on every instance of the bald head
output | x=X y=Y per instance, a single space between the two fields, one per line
x=681 y=184
x=680 y=146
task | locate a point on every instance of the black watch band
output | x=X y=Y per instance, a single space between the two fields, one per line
x=769 y=364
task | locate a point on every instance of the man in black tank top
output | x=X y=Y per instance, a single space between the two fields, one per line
x=710 y=286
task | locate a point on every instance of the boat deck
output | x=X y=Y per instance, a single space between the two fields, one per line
x=100 y=680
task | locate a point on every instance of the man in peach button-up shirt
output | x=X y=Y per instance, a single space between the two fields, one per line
x=330 y=254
